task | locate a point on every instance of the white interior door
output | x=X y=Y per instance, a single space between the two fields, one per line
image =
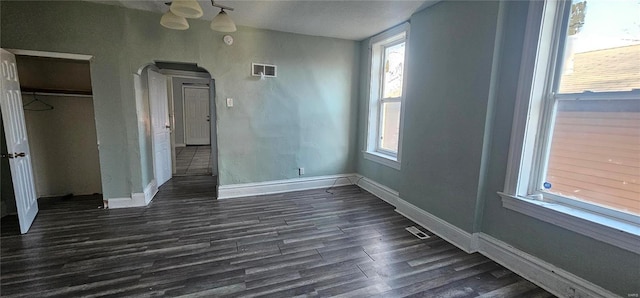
x=17 y=142
x=196 y=115
x=160 y=126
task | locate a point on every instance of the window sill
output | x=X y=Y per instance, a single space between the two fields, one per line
x=615 y=232
x=382 y=159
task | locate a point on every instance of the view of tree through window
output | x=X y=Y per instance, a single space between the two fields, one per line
x=392 y=78
x=393 y=65
x=595 y=144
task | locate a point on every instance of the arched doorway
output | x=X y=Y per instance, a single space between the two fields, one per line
x=190 y=123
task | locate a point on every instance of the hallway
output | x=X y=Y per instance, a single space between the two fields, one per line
x=193 y=160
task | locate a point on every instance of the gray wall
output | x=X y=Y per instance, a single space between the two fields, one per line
x=143 y=111
x=447 y=91
x=456 y=138
x=304 y=118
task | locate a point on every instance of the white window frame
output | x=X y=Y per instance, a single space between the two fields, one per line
x=377 y=44
x=530 y=138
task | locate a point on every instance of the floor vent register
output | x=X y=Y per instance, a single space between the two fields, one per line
x=415 y=231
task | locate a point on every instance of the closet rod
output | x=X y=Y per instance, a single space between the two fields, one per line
x=56 y=94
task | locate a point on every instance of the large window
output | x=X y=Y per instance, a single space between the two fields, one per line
x=576 y=140
x=386 y=95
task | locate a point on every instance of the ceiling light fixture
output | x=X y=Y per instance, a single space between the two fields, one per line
x=179 y=10
x=172 y=21
x=222 y=22
x=186 y=8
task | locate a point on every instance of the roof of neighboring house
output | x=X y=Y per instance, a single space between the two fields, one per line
x=613 y=69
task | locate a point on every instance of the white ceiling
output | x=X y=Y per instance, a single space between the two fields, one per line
x=347 y=19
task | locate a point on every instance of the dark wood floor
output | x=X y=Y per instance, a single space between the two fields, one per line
x=309 y=243
x=193 y=160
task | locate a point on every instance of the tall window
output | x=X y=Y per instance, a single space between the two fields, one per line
x=386 y=95
x=580 y=143
x=594 y=142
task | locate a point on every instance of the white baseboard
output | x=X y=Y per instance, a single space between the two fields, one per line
x=384 y=193
x=150 y=191
x=454 y=235
x=280 y=186
x=138 y=199
x=445 y=230
x=551 y=278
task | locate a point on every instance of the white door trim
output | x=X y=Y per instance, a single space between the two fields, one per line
x=172 y=121
x=70 y=56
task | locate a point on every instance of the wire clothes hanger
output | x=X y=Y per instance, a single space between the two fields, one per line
x=37 y=105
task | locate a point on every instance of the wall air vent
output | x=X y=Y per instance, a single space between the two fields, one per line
x=263 y=70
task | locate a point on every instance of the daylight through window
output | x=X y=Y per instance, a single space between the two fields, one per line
x=594 y=153
x=386 y=95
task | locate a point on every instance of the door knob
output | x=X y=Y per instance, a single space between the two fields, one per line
x=21 y=154
x=167 y=126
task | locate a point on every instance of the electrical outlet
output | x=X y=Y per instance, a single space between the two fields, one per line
x=229 y=102
x=300 y=171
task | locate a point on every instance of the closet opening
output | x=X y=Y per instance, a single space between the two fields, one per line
x=59 y=115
